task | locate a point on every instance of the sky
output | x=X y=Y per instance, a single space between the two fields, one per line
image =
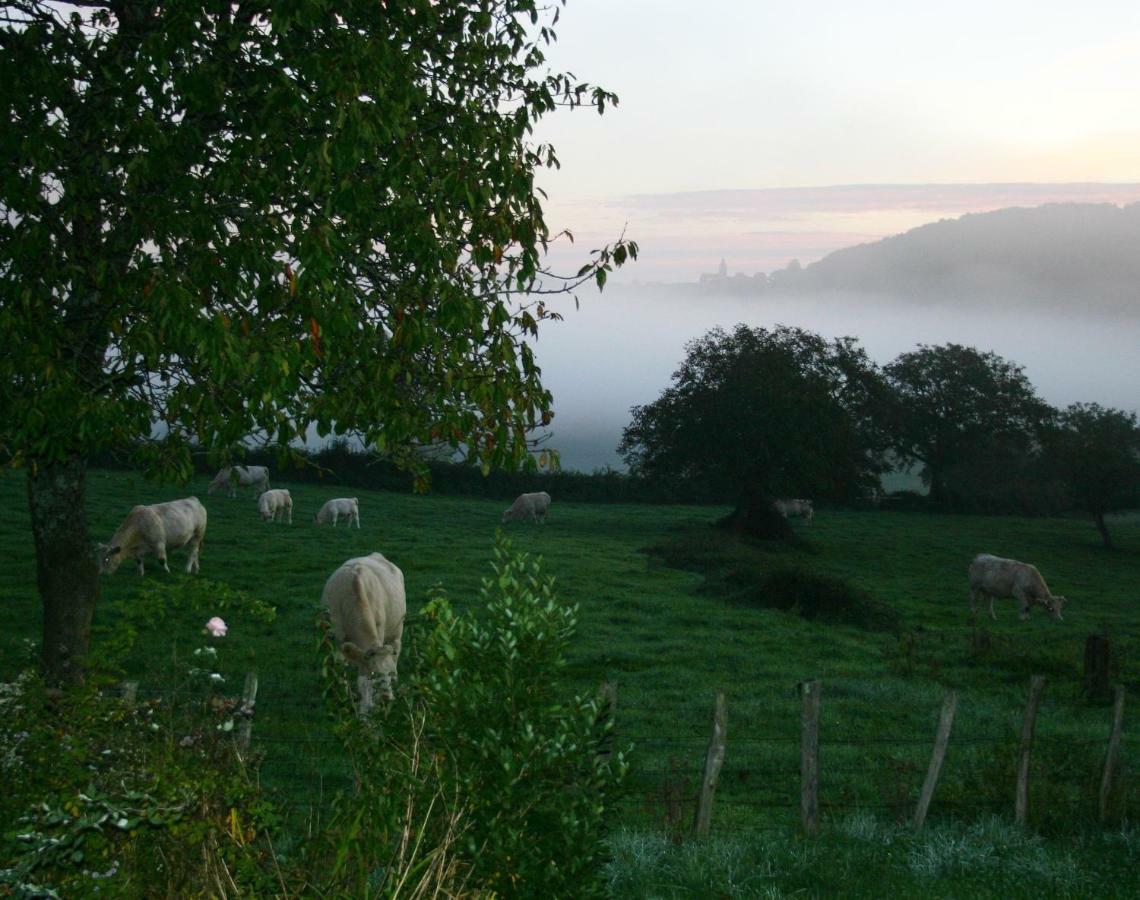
x=744 y=128
x=761 y=132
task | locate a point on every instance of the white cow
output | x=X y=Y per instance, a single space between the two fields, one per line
x=527 y=506
x=348 y=507
x=992 y=577
x=792 y=509
x=367 y=604
x=230 y=477
x=275 y=505
x=152 y=530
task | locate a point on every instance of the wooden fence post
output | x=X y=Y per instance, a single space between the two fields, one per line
x=130 y=692
x=941 y=739
x=1113 y=750
x=245 y=711
x=367 y=698
x=1021 y=802
x=809 y=756
x=714 y=759
x=1098 y=659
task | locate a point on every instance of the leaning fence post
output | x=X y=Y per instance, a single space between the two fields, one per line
x=245 y=711
x=1113 y=750
x=1021 y=803
x=809 y=756
x=941 y=739
x=714 y=759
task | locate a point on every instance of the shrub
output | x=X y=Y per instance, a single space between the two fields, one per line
x=130 y=799
x=497 y=764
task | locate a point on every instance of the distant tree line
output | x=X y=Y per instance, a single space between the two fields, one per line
x=753 y=414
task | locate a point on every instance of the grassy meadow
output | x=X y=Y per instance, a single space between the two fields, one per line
x=667 y=613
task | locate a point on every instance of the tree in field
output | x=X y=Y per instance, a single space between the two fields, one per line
x=955 y=404
x=754 y=414
x=1096 y=452
x=244 y=218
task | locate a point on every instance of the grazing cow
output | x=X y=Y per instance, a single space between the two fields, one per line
x=274 y=505
x=527 y=506
x=152 y=530
x=792 y=509
x=230 y=477
x=992 y=576
x=366 y=602
x=348 y=507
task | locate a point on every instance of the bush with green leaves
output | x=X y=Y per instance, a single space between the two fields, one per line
x=483 y=755
x=108 y=795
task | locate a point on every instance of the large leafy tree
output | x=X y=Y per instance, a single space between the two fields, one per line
x=1096 y=452
x=225 y=219
x=955 y=405
x=755 y=414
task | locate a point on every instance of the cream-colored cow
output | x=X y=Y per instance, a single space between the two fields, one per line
x=340 y=508
x=792 y=509
x=994 y=577
x=275 y=505
x=231 y=477
x=366 y=602
x=152 y=530
x=527 y=506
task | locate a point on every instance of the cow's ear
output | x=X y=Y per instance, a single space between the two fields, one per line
x=115 y=549
x=351 y=651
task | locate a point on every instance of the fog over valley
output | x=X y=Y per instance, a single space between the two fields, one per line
x=620 y=348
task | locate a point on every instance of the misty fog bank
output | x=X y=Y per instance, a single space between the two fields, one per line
x=621 y=348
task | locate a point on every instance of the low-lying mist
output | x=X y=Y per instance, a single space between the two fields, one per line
x=621 y=348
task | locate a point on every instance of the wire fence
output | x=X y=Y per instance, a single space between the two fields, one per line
x=1076 y=765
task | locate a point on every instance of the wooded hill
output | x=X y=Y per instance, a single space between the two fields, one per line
x=1059 y=254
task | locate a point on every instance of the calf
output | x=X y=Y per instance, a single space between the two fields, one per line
x=152 y=530
x=992 y=577
x=346 y=507
x=367 y=604
x=274 y=505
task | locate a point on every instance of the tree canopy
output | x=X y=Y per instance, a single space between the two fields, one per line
x=754 y=414
x=264 y=218
x=955 y=404
x=1096 y=451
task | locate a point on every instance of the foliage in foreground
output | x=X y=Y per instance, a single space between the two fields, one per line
x=480 y=779
x=507 y=771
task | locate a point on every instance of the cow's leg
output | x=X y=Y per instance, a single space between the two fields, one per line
x=992 y=616
x=160 y=552
x=195 y=548
x=138 y=559
x=364 y=689
x=289 y=509
x=1023 y=603
x=973 y=604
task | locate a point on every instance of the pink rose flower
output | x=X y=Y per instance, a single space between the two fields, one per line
x=216 y=627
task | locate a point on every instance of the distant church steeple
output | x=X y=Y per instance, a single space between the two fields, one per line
x=723 y=270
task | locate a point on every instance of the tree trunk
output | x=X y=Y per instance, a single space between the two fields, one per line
x=1103 y=529
x=754 y=516
x=66 y=573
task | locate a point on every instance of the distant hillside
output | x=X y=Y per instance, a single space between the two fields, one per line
x=1060 y=254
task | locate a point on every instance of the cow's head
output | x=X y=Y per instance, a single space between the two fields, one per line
x=1055 y=605
x=108 y=558
x=377 y=661
x=505 y=517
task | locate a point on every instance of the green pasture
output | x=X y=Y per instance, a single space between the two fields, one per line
x=671 y=637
